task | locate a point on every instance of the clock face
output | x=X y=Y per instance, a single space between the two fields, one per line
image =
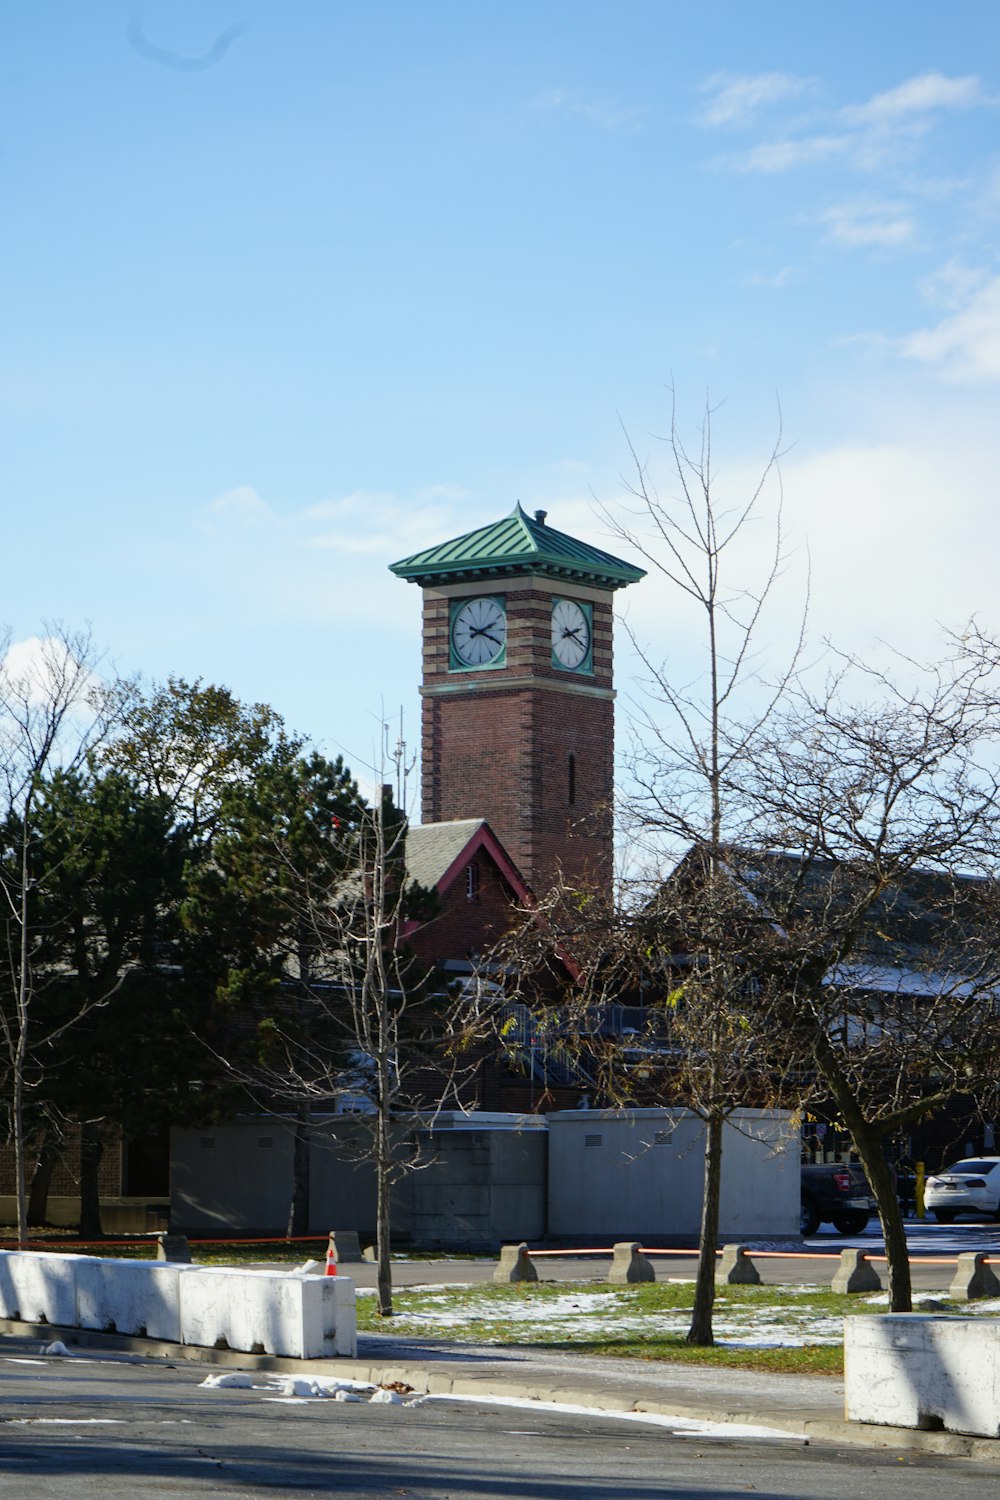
x=479 y=632
x=570 y=636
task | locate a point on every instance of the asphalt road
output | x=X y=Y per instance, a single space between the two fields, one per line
x=108 y=1428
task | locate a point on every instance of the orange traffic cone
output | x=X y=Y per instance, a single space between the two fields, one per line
x=331 y=1263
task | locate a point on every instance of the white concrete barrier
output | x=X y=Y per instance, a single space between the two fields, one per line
x=130 y=1296
x=39 y=1288
x=259 y=1312
x=924 y=1371
x=269 y=1312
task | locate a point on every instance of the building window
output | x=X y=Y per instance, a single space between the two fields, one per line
x=571 y=779
x=472 y=882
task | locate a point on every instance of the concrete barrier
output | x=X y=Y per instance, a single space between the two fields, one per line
x=973 y=1278
x=259 y=1312
x=515 y=1264
x=855 y=1273
x=629 y=1265
x=301 y=1317
x=926 y=1372
x=735 y=1268
x=39 y=1288
x=346 y=1246
x=138 y=1297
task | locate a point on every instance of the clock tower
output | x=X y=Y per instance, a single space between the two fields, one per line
x=518 y=702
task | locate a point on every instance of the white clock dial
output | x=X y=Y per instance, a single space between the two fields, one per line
x=570 y=634
x=479 y=632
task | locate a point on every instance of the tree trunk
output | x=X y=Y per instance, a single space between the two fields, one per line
x=299 y=1208
x=868 y=1142
x=870 y=1147
x=17 y=1113
x=45 y=1165
x=700 y=1331
x=91 y=1151
x=384 y=1174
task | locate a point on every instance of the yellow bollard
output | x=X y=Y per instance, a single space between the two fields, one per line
x=918 y=1189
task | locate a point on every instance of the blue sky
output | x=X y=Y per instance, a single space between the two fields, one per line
x=291 y=291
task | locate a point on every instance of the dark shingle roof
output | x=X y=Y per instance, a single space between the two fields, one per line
x=432 y=848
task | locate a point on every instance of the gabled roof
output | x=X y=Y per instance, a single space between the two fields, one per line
x=517 y=544
x=926 y=934
x=436 y=853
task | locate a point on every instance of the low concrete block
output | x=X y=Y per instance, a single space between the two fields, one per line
x=130 y=1296
x=345 y=1246
x=735 y=1268
x=628 y=1264
x=173 y=1247
x=39 y=1288
x=264 y=1312
x=973 y=1279
x=855 y=1273
x=930 y=1373
x=515 y=1264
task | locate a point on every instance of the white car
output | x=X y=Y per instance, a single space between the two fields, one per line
x=967 y=1187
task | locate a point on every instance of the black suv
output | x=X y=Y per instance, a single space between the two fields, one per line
x=835 y=1193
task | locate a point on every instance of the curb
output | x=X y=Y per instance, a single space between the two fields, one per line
x=440 y=1381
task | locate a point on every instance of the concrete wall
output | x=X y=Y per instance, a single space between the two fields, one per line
x=638 y=1175
x=481 y=1186
x=485 y=1179
x=480 y=1179
x=231 y=1176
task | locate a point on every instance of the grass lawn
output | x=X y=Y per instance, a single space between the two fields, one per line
x=791 y=1329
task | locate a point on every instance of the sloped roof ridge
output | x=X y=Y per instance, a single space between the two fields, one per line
x=516 y=543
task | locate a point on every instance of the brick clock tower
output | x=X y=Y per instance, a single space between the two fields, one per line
x=518 y=703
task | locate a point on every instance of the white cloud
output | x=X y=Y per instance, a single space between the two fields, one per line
x=600 y=112
x=863 y=223
x=778 y=279
x=867 y=137
x=953 y=285
x=919 y=95
x=785 y=155
x=369 y=521
x=964 y=346
x=242 y=505
x=736 y=101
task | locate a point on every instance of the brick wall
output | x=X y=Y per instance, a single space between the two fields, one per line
x=467 y=927
x=497 y=742
x=66 y=1177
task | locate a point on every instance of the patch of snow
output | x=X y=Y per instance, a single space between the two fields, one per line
x=67 y=1421
x=385 y=1398
x=58 y=1347
x=584 y=1315
x=228 y=1380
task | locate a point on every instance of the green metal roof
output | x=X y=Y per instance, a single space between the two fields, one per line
x=517 y=544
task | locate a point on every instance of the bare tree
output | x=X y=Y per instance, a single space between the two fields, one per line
x=694 y=736
x=323 y=905
x=54 y=711
x=880 y=910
